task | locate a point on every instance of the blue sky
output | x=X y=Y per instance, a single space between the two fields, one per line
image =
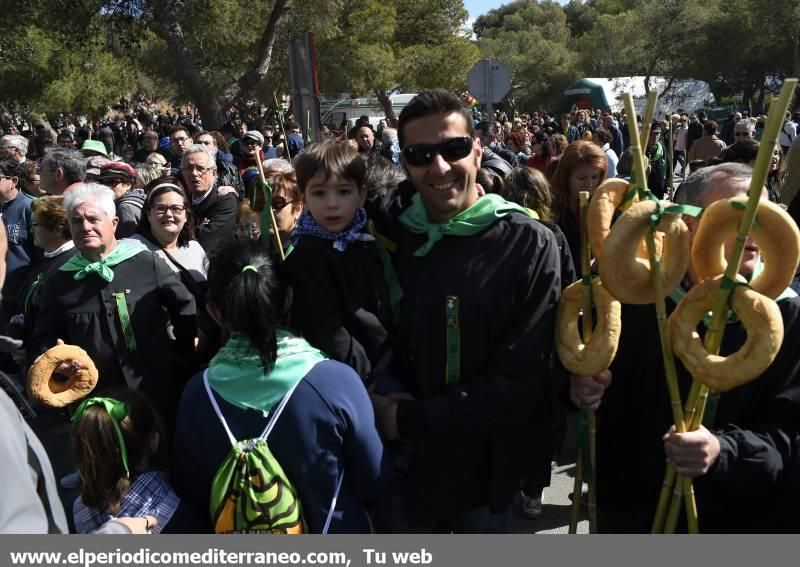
x=479 y=7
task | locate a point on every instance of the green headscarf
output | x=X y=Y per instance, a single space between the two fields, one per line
x=478 y=217
x=237 y=372
x=78 y=263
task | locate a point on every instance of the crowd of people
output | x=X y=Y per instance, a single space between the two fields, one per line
x=386 y=300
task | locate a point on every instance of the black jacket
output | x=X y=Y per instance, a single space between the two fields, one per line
x=758 y=423
x=84 y=313
x=340 y=300
x=472 y=437
x=215 y=220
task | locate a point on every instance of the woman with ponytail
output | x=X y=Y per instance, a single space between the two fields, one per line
x=325 y=438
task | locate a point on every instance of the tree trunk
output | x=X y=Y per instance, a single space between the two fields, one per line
x=212 y=107
x=386 y=103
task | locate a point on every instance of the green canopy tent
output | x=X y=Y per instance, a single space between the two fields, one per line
x=584 y=94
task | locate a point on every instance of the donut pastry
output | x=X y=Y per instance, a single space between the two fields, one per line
x=43 y=388
x=595 y=356
x=626 y=276
x=761 y=318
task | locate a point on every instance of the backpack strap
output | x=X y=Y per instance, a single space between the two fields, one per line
x=216 y=408
x=277 y=413
x=270 y=424
x=333 y=504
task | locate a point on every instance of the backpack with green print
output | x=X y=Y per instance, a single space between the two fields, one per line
x=250 y=492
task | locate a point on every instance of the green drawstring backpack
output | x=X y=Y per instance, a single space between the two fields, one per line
x=250 y=492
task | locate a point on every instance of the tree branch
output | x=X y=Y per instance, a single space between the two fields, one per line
x=265 y=46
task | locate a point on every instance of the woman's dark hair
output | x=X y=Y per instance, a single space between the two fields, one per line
x=222 y=143
x=28 y=170
x=529 y=188
x=98 y=453
x=382 y=175
x=250 y=301
x=489 y=180
x=160 y=186
x=11 y=168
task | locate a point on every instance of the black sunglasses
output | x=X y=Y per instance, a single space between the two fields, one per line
x=453 y=149
x=279 y=203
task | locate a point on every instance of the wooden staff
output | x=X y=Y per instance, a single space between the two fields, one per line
x=586 y=292
x=670 y=373
x=713 y=338
x=268 y=203
x=671 y=156
x=283 y=128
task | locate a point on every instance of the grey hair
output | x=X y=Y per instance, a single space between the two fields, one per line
x=70 y=161
x=200 y=149
x=280 y=164
x=749 y=123
x=15 y=141
x=91 y=193
x=388 y=136
x=695 y=190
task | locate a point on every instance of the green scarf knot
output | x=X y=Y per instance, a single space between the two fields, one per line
x=237 y=372
x=83 y=267
x=478 y=217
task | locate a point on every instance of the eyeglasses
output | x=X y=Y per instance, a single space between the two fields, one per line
x=279 y=203
x=197 y=169
x=742 y=134
x=179 y=140
x=161 y=210
x=454 y=149
x=251 y=142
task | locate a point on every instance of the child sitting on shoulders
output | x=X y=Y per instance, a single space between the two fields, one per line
x=340 y=300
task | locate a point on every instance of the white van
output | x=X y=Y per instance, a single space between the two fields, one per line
x=339 y=114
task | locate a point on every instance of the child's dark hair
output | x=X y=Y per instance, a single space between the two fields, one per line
x=104 y=481
x=244 y=286
x=330 y=158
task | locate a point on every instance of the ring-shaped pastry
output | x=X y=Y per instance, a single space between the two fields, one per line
x=774 y=232
x=626 y=276
x=42 y=387
x=595 y=356
x=761 y=318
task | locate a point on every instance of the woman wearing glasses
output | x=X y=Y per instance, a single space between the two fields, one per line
x=167 y=228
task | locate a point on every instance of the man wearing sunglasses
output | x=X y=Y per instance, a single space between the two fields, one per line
x=480 y=282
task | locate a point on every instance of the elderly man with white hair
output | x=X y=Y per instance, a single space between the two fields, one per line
x=122 y=304
x=214 y=210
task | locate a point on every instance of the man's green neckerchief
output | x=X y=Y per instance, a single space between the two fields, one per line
x=83 y=267
x=484 y=213
x=237 y=372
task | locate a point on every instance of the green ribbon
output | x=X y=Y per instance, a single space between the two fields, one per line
x=237 y=372
x=453 y=369
x=117 y=411
x=125 y=320
x=80 y=264
x=484 y=213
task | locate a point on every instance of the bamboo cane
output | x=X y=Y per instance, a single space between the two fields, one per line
x=283 y=128
x=716 y=330
x=587 y=336
x=655 y=273
x=671 y=157
x=268 y=203
x=576 y=495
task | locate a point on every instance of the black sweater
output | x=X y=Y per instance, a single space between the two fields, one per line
x=472 y=437
x=757 y=425
x=340 y=301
